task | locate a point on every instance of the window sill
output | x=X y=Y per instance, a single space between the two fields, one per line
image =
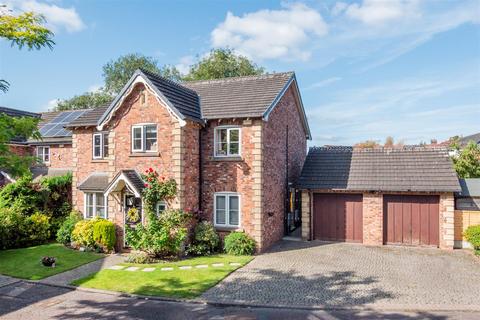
x=226 y=229
x=145 y=154
x=99 y=160
x=232 y=158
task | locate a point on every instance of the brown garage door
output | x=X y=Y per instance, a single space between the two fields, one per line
x=338 y=217
x=411 y=220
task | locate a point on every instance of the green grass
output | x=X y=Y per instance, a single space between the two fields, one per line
x=176 y=283
x=25 y=263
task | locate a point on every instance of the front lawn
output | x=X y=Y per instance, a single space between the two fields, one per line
x=25 y=262
x=176 y=283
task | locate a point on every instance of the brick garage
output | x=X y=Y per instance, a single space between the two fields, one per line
x=399 y=196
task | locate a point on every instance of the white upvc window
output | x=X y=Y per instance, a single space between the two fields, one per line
x=43 y=153
x=227 y=141
x=100 y=145
x=227 y=209
x=95 y=205
x=144 y=138
x=160 y=207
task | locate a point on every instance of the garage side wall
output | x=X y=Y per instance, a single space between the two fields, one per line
x=372 y=219
x=447 y=226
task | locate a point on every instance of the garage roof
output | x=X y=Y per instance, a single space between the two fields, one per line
x=380 y=169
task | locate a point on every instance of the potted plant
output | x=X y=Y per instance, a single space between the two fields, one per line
x=48 y=261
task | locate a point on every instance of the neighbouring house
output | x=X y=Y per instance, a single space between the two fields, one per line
x=233 y=146
x=379 y=196
x=473 y=137
x=467 y=209
x=19 y=145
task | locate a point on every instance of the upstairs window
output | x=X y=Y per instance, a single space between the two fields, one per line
x=43 y=153
x=227 y=142
x=144 y=138
x=100 y=145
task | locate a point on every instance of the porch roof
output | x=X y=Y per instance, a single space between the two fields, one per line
x=97 y=181
x=131 y=179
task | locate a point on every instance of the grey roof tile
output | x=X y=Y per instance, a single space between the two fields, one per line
x=96 y=181
x=408 y=169
x=473 y=137
x=89 y=118
x=18 y=113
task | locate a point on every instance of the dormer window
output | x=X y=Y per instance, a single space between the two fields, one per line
x=144 y=138
x=227 y=141
x=100 y=145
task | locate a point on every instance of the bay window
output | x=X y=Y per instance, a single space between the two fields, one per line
x=95 y=205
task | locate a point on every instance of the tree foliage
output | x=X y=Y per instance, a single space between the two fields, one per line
x=223 y=63
x=24 y=30
x=116 y=73
x=84 y=101
x=467 y=163
x=12 y=128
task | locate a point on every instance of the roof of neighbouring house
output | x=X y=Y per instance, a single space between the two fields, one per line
x=39 y=172
x=407 y=169
x=96 y=181
x=18 y=113
x=470 y=187
x=473 y=137
x=237 y=97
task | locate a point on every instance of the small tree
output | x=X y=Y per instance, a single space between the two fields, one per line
x=467 y=163
x=223 y=63
x=368 y=144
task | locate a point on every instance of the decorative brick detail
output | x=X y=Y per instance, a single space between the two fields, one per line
x=306 y=215
x=372 y=219
x=447 y=228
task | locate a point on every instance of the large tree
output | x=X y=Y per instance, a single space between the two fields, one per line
x=223 y=63
x=467 y=163
x=25 y=30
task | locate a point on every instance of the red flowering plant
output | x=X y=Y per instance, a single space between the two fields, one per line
x=157 y=189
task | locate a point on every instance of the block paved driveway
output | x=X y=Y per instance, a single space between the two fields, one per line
x=342 y=275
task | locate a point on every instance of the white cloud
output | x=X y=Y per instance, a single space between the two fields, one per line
x=374 y=12
x=52 y=104
x=184 y=64
x=323 y=83
x=57 y=17
x=271 y=34
x=94 y=88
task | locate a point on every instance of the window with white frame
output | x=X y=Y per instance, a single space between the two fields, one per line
x=144 y=138
x=43 y=153
x=227 y=141
x=100 y=145
x=161 y=206
x=227 y=209
x=95 y=205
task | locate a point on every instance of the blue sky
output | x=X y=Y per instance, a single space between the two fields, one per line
x=367 y=69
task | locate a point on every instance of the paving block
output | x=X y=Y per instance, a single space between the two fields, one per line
x=185 y=267
x=201 y=266
x=116 y=267
x=132 y=269
x=217 y=264
x=148 y=269
x=166 y=269
x=235 y=264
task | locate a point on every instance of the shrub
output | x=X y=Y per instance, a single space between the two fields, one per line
x=239 y=243
x=64 y=233
x=205 y=240
x=10 y=228
x=82 y=233
x=104 y=234
x=472 y=234
x=140 y=258
x=36 y=229
x=163 y=236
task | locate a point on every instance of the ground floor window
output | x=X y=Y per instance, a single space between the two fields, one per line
x=227 y=209
x=95 y=205
x=43 y=152
x=161 y=206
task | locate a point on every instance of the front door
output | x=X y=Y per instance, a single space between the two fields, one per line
x=132 y=207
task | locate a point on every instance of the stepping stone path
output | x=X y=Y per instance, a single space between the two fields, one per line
x=132 y=269
x=116 y=267
x=150 y=269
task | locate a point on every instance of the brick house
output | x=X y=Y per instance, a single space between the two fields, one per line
x=379 y=196
x=232 y=145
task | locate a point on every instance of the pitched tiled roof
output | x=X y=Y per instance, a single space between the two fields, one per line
x=473 y=137
x=470 y=187
x=249 y=96
x=97 y=181
x=407 y=169
x=133 y=177
x=18 y=113
x=89 y=118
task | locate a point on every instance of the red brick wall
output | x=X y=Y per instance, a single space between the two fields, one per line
x=191 y=166
x=60 y=156
x=220 y=175
x=284 y=115
x=21 y=150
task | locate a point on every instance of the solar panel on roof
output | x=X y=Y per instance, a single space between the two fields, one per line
x=55 y=128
